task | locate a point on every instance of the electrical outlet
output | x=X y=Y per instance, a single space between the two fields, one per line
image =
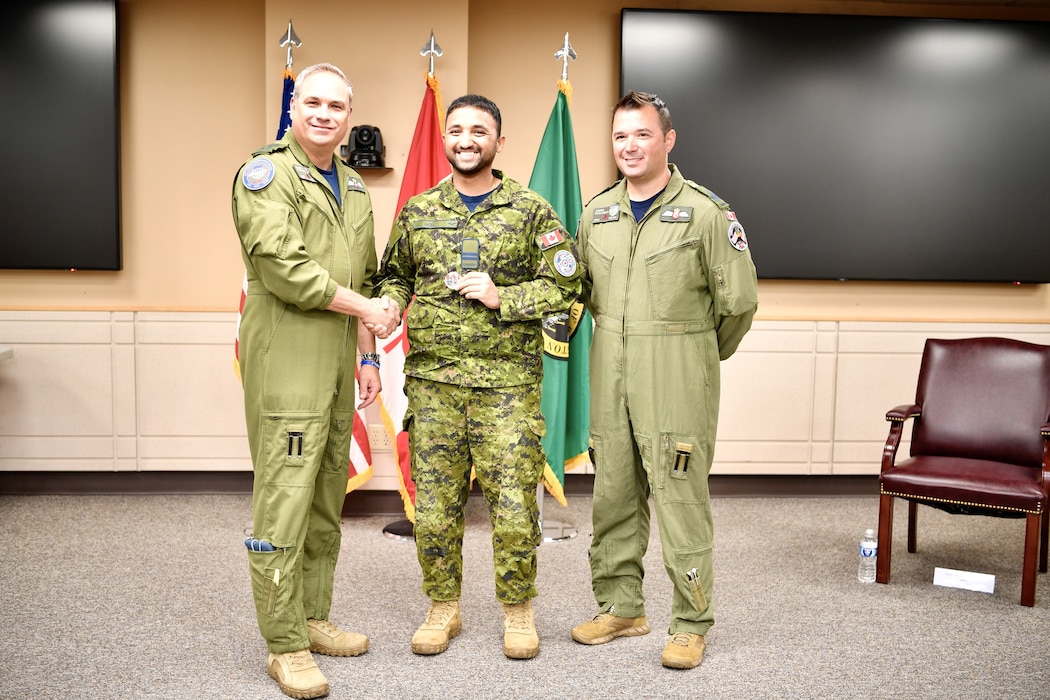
x=379 y=439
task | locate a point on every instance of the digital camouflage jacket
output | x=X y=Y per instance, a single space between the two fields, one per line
x=522 y=246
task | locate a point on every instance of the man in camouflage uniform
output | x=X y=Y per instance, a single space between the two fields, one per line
x=305 y=225
x=485 y=260
x=673 y=290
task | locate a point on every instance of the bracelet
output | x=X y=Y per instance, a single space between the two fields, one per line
x=370 y=358
x=370 y=362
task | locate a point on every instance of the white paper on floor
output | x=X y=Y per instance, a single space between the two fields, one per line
x=983 y=583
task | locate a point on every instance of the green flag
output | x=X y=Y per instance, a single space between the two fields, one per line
x=566 y=336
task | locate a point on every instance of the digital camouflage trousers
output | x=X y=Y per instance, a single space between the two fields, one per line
x=496 y=432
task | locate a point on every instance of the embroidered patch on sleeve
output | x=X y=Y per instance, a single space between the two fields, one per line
x=258 y=174
x=565 y=263
x=737 y=239
x=550 y=239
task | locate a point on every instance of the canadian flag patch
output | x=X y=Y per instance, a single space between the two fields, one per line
x=551 y=238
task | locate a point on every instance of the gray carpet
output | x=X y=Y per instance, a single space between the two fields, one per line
x=148 y=597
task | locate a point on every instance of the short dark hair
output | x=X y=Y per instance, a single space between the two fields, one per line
x=482 y=103
x=636 y=100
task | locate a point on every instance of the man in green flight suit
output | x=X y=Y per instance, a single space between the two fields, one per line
x=482 y=260
x=304 y=220
x=672 y=288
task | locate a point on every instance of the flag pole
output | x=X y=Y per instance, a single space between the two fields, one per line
x=556 y=530
x=404 y=529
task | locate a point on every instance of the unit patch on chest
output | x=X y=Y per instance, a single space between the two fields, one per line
x=354 y=184
x=303 y=172
x=606 y=214
x=435 y=224
x=676 y=214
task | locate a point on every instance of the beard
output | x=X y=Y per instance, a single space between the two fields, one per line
x=482 y=164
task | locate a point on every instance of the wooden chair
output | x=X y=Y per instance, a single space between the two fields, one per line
x=980 y=443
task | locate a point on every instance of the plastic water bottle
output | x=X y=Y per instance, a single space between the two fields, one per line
x=869 y=547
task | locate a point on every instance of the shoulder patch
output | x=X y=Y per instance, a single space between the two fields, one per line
x=737 y=239
x=565 y=263
x=550 y=239
x=258 y=173
x=557 y=251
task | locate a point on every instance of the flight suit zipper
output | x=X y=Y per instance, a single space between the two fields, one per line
x=339 y=210
x=636 y=228
x=635 y=231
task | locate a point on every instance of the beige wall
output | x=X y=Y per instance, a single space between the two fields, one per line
x=201 y=89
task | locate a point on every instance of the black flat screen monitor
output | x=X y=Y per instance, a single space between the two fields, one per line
x=861 y=148
x=59 y=174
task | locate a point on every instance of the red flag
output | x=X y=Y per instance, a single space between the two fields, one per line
x=426 y=166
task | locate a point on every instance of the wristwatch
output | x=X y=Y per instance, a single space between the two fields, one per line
x=370 y=358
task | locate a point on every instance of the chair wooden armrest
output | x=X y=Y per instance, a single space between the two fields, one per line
x=904 y=412
x=897 y=417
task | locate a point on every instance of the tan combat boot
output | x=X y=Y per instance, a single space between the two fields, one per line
x=684 y=650
x=326 y=638
x=520 y=640
x=442 y=624
x=297 y=674
x=606 y=627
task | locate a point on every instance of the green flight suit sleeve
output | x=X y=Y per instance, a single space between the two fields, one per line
x=274 y=247
x=733 y=282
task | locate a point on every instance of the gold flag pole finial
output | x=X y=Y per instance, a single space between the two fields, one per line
x=290 y=40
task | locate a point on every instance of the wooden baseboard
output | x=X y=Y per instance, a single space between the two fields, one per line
x=373 y=502
x=40 y=483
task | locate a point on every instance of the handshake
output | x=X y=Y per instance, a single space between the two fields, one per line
x=382 y=316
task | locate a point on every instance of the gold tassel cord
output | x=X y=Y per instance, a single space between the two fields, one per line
x=566 y=87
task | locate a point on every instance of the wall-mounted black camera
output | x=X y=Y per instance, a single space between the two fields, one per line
x=364 y=148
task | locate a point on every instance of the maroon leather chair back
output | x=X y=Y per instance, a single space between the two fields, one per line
x=983 y=398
